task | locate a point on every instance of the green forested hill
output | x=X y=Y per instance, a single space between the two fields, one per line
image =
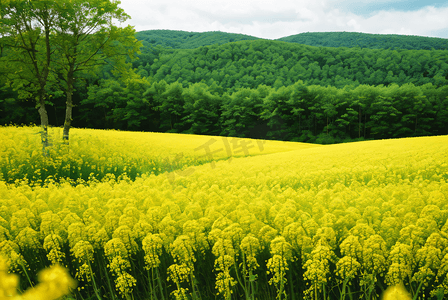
x=365 y=40
x=247 y=64
x=188 y=40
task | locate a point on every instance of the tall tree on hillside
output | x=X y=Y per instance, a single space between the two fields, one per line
x=53 y=42
x=26 y=28
x=85 y=39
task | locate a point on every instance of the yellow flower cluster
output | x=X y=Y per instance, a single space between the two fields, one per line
x=55 y=282
x=225 y=260
x=53 y=245
x=250 y=247
x=119 y=264
x=152 y=245
x=83 y=252
x=349 y=214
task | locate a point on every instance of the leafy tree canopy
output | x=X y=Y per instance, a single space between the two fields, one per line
x=247 y=64
x=365 y=40
x=188 y=40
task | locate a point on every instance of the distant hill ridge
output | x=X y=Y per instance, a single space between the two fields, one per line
x=366 y=40
x=190 y=40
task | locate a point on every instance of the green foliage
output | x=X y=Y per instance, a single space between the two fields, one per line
x=298 y=112
x=247 y=64
x=191 y=40
x=119 y=105
x=202 y=109
x=46 y=46
x=365 y=40
x=188 y=40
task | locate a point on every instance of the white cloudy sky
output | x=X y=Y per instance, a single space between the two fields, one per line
x=274 y=19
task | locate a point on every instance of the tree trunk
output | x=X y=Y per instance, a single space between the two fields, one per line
x=44 y=124
x=68 y=118
x=43 y=82
x=69 y=108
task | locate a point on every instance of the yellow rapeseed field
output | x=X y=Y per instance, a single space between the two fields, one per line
x=279 y=221
x=95 y=153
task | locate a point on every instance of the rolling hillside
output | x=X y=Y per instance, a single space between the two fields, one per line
x=247 y=64
x=189 y=40
x=350 y=219
x=365 y=40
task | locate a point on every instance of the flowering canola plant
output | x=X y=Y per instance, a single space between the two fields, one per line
x=294 y=221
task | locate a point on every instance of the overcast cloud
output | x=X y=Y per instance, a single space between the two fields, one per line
x=279 y=18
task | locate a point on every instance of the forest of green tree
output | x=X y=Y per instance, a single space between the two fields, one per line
x=188 y=40
x=247 y=64
x=342 y=88
x=371 y=41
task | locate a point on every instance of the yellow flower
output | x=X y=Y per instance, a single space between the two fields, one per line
x=115 y=247
x=8 y=282
x=224 y=263
x=351 y=247
x=55 y=282
x=11 y=251
x=152 y=245
x=124 y=233
x=181 y=294
x=83 y=251
x=267 y=234
x=250 y=246
x=118 y=265
x=347 y=268
x=141 y=229
x=280 y=247
x=28 y=238
x=396 y=292
x=178 y=273
x=374 y=254
x=234 y=233
x=277 y=266
x=397 y=273
x=22 y=219
x=51 y=224
x=223 y=247
x=125 y=283
x=76 y=233
x=196 y=231
x=183 y=251
x=53 y=245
